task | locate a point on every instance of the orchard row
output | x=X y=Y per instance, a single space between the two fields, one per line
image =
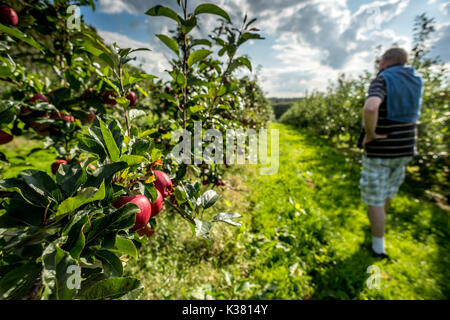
x=111 y=125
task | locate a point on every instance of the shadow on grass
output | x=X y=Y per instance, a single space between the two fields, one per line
x=346 y=279
x=420 y=218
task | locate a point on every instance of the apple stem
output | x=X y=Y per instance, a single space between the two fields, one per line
x=181 y=213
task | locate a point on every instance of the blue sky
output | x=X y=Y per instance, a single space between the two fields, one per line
x=308 y=42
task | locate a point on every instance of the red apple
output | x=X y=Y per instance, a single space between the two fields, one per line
x=132 y=97
x=89 y=118
x=63 y=116
x=220 y=183
x=8 y=16
x=157 y=205
x=163 y=183
x=5 y=137
x=145 y=209
x=57 y=164
x=39 y=97
x=106 y=98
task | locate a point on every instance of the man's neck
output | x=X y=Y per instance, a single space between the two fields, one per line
x=391 y=66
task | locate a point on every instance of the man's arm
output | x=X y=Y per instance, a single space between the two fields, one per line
x=370 y=118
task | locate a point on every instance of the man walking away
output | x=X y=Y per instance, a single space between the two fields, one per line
x=389 y=137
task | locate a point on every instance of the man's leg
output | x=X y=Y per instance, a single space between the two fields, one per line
x=377 y=217
x=387 y=204
x=374 y=184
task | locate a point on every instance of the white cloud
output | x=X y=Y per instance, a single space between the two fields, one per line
x=332 y=41
x=115 y=7
x=446 y=8
x=315 y=39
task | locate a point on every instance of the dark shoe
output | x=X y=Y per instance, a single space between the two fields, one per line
x=382 y=256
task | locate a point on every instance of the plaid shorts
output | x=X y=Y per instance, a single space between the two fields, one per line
x=381 y=178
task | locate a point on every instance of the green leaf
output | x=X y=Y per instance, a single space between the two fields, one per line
x=141 y=77
x=136 y=114
x=112 y=288
x=247 y=36
x=18 y=282
x=63 y=262
x=132 y=160
x=188 y=25
x=202 y=229
x=42 y=183
x=156 y=154
x=170 y=43
x=7 y=66
x=83 y=197
x=147 y=133
x=70 y=178
x=197 y=56
x=125 y=246
x=140 y=147
x=121 y=219
x=75 y=234
x=27 y=193
x=148 y=190
x=201 y=42
x=212 y=9
x=123 y=102
x=56 y=275
x=112 y=85
x=89 y=47
x=113 y=150
x=105 y=57
x=209 y=198
x=20 y=238
x=195 y=109
x=20 y=213
x=112 y=265
x=222 y=91
x=244 y=61
x=93 y=146
x=105 y=173
x=16 y=33
x=161 y=11
x=180 y=194
x=179 y=78
x=227 y=218
x=168 y=97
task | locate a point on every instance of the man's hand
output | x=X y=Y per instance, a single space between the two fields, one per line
x=370 y=119
x=372 y=137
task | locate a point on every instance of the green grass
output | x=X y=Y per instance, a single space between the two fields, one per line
x=17 y=153
x=304 y=235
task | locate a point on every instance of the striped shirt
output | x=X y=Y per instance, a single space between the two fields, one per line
x=402 y=137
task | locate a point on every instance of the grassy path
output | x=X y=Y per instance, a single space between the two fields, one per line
x=324 y=225
x=303 y=238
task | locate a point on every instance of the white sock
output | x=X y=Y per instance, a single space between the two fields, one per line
x=378 y=245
